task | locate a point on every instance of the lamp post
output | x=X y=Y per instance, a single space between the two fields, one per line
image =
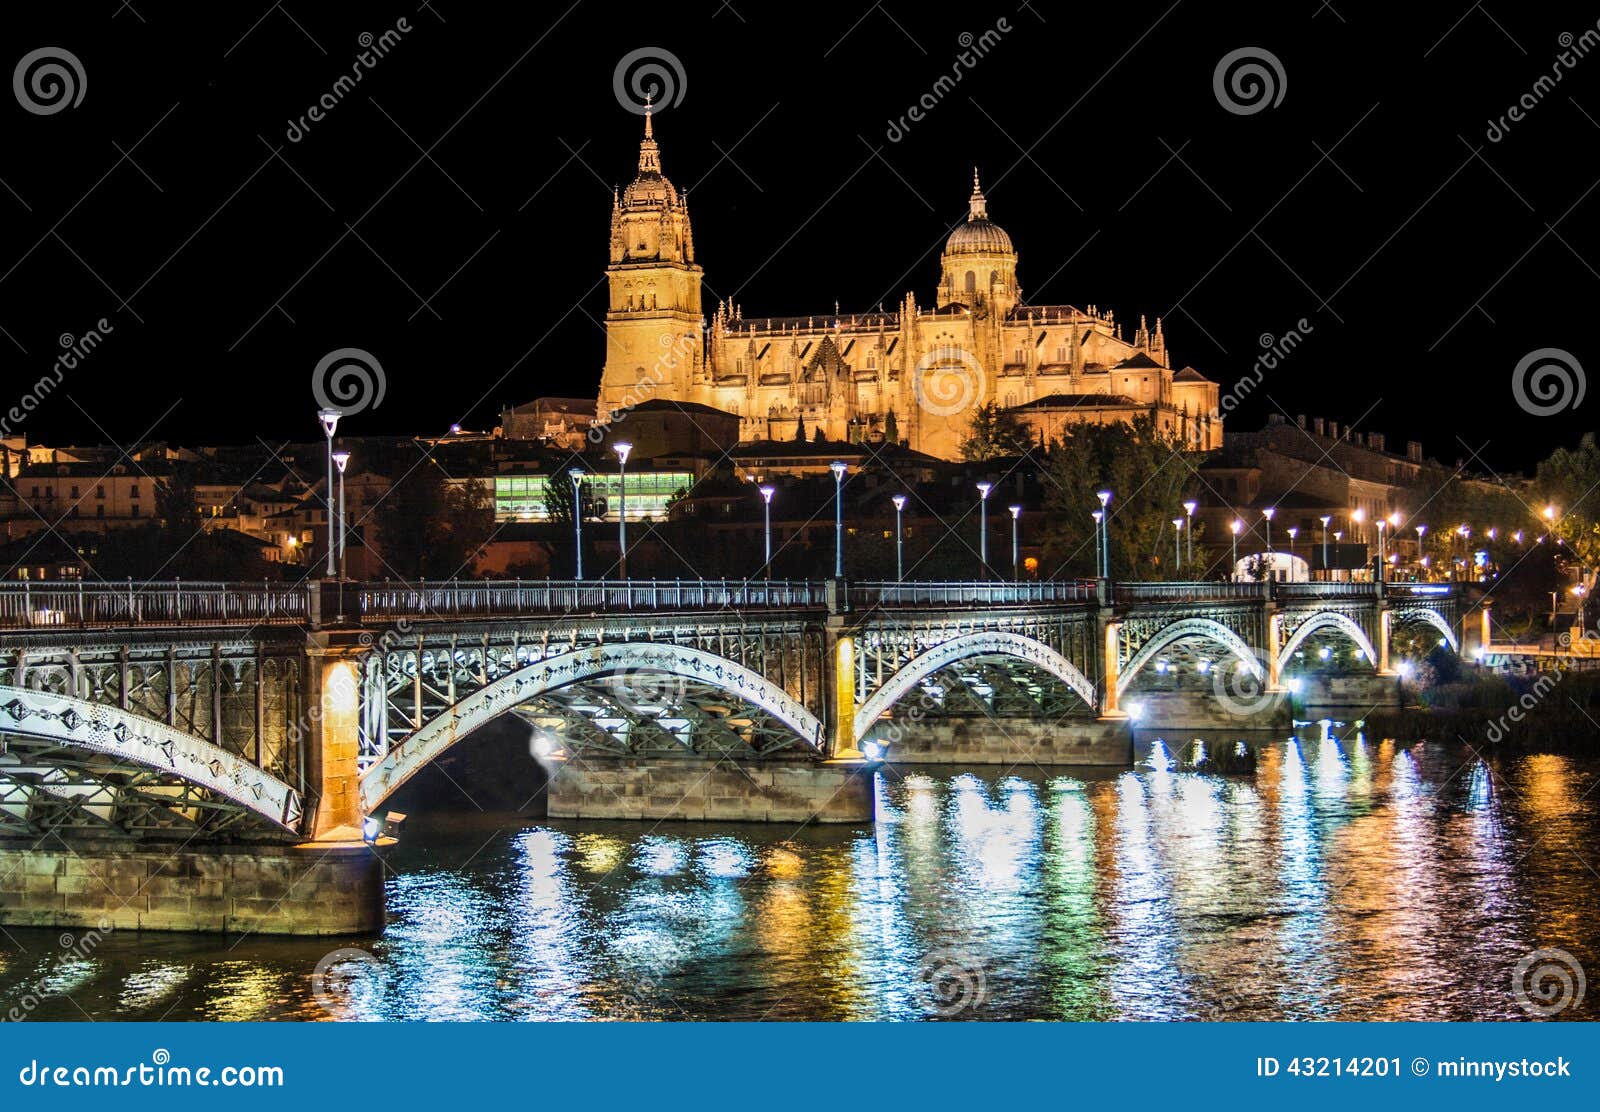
x=622 y=448
x=1016 y=568
x=1294 y=531
x=1357 y=516
x=341 y=458
x=983 y=529
x=1105 y=532
x=899 y=501
x=766 y=528
x=330 y=421
x=838 y=467
x=1267 y=513
x=1177 y=543
x=576 y=475
x=1325 y=519
x=1189 y=508
x=1422 y=556
x=1099 y=516
x=1233 y=527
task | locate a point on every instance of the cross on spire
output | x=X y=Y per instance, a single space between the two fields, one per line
x=977 y=207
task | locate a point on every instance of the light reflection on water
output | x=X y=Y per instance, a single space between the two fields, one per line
x=1347 y=879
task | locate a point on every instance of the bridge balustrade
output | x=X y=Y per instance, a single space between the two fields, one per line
x=914 y=593
x=173 y=603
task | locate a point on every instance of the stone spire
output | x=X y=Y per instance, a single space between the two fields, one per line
x=649 y=153
x=977 y=207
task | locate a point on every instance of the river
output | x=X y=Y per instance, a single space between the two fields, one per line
x=1342 y=880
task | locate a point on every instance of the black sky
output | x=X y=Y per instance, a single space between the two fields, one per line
x=1369 y=201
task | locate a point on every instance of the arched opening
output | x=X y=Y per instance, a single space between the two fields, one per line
x=1330 y=643
x=1188 y=654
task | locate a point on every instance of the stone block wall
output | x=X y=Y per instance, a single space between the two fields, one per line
x=727 y=790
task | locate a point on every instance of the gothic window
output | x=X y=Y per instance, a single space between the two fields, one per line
x=972 y=282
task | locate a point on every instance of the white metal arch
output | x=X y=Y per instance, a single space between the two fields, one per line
x=1423 y=614
x=102 y=728
x=437 y=735
x=1327 y=619
x=1192 y=627
x=986 y=643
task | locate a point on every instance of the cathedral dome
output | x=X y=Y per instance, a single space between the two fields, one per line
x=978 y=236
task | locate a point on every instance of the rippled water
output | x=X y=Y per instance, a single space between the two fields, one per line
x=1343 y=880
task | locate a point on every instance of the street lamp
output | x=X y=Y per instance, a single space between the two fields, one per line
x=1422 y=533
x=1105 y=532
x=1380 y=523
x=1233 y=527
x=1357 y=516
x=766 y=518
x=899 y=501
x=340 y=458
x=622 y=448
x=983 y=528
x=576 y=475
x=1016 y=568
x=1294 y=531
x=1177 y=543
x=1267 y=513
x=1325 y=520
x=838 y=467
x=1099 y=570
x=330 y=421
x=1189 y=508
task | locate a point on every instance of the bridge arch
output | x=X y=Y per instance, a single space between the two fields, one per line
x=985 y=643
x=1327 y=619
x=1427 y=616
x=132 y=738
x=1207 y=628
x=439 y=734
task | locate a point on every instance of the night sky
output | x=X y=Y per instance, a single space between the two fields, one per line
x=450 y=214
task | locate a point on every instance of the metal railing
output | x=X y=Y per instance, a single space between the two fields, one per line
x=976 y=593
x=1214 y=590
x=511 y=597
x=167 y=602
x=1320 y=589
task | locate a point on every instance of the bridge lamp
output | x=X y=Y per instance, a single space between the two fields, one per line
x=340 y=458
x=766 y=511
x=1189 y=508
x=1016 y=567
x=899 y=501
x=1099 y=569
x=983 y=529
x=1380 y=523
x=1325 y=519
x=1105 y=532
x=1233 y=527
x=1517 y=536
x=1177 y=543
x=1493 y=532
x=838 y=467
x=873 y=750
x=1550 y=514
x=622 y=448
x=1267 y=513
x=1294 y=531
x=577 y=475
x=329 y=419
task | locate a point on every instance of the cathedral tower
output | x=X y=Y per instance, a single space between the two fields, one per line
x=654 y=346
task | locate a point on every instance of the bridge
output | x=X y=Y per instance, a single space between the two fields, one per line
x=269 y=726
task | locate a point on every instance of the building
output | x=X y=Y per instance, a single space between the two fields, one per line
x=845 y=374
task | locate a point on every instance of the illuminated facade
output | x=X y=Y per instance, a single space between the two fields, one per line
x=845 y=374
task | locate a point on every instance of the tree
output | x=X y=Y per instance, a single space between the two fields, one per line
x=559 y=500
x=431 y=527
x=891 y=430
x=799 y=428
x=817 y=437
x=1568 y=482
x=993 y=433
x=1136 y=462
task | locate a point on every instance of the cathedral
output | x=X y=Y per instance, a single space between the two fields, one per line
x=916 y=374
